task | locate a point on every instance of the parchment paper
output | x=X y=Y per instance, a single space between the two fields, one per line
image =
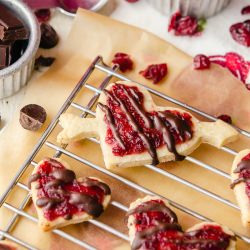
x=214 y=91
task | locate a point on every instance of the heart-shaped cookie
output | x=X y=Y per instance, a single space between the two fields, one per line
x=153 y=225
x=240 y=174
x=134 y=131
x=61 y=199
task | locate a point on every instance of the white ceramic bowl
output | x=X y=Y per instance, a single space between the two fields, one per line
x=14 y=77
x=198 y=8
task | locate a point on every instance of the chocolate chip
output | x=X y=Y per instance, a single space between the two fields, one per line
x=42 y=61
x=49 y=37
x=32 y=117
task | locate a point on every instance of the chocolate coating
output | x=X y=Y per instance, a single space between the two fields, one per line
x=32 y=117
x=64 y=175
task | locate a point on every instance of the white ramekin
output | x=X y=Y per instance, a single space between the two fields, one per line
x=14 y=77
x=198 y=8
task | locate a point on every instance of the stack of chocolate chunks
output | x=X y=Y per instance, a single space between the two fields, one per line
x=13 y=37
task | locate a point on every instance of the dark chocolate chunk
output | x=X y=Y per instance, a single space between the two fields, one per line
x=89 y=204
x=42 y=61
x=49 y=37
x=64 y=175
x=5 y=54
x=32 y=117
x=11 y=27
x=18 y=49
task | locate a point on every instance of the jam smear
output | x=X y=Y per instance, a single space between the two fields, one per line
x=240 y=32
x=157 y=228
x=132 y=130
x=235 y=63
x=155 y=72
x=61 y=195
x=243 y=169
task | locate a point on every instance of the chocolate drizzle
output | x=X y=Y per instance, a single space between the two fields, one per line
x=111 y=121
x=57 y=178
x=243 y=165
x=142 y=236
x=183 y=240
x=94 y=183
x=160 y=121
x=150 y=147
x=87 y=203
x=154 y=206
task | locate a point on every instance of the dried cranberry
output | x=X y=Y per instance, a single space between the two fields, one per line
x=225 y=118
x=43 y=15
x=155 y=72
x=124 y=61
x=183 y=25
x=240 y=32
x=44 y=62
x=245 y=10
x=49 y=37
x=201 y=62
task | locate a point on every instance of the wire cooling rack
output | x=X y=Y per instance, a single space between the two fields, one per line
x=98 y=65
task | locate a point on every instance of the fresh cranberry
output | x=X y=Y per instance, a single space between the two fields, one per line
x=155 y=72
x=235 y=63
x=240 y=32
x=201 y=62
x=245 y=10
x=225 y=118
x=124 y=61
x=184 y=25
x=43 y=15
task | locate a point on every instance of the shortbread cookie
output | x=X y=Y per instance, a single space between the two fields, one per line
x=61 y=199
x=153 y=225
x=8 y=245
x=134 y=131
x=241 y=183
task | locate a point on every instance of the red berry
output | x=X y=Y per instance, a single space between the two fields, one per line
x=124 y=61
x=225 y=118
x=43 y=15
x=245 y=10
x=155 y=72
x=240 y=32
x=201 y=62
x=183 y=25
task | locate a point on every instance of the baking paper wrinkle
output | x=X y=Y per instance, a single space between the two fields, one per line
x=214 y=91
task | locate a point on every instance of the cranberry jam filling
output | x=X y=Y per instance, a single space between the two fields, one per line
x=126 y=104
x=157 y=228
x=243 y=169
x=61 y=195
x=209 y=237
